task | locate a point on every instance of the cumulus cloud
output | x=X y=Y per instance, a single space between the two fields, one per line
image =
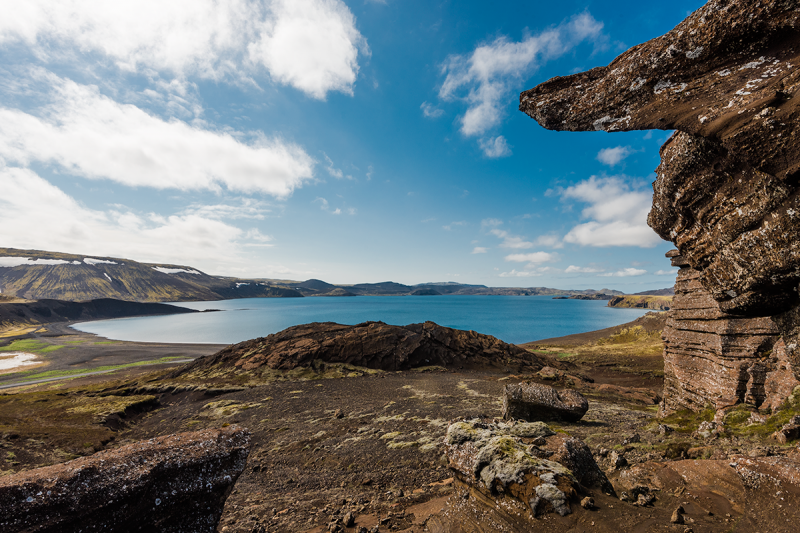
x=624 y=273
x=552 y=241
x=430 y=111
x=62 y=223
x=495 y=147
x=670 y=272
x=479 y=250
x=90 y=135
x=618 y=214
x=312 y=45
x=614 y=156
x=532 y=258
x=583 y=270
x=485 y=78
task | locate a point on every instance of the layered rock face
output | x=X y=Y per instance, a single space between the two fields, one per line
x=728 y=187
x=713 y=357
x=371 y=345
x=178 y=484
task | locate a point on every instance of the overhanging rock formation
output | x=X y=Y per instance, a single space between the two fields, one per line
x=728 y=187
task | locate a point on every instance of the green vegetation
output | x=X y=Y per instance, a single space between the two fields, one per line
x=636 y=334
x=62 y=423
x=30 y=345
x=662 y=303
x=28 y=376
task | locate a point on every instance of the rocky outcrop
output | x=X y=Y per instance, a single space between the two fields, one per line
x=371 y=345
x=176 y=483
x=523 y=467
x=532 y=401
x=728 y=187
x=713 y=357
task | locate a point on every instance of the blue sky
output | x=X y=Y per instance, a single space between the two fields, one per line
x=357 y=141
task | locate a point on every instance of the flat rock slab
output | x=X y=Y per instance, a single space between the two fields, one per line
x=532 y=401
x=177 y=483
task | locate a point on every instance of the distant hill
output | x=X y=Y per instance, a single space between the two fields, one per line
x=657 y=292
x=14 y=315
x=37 y=275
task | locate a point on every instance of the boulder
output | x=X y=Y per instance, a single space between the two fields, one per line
x=177 y=483
x=492 y=458
x=727 y=192
x=372 y=345
x=532 y=401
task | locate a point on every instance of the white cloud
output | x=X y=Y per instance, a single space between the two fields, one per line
x=454 y=225
x=335 y=172
x=351 y=211
x=479 y=250
x=614 y=156
x=532 y=258
x=325 y=206
x=670 y=272
x=552 y=241
x=312 y=45
x=624 y=273
x=618 y=213
x=248 y=208
x=63 y=224
x=429 y=111
x=90 y=135
x=519 y=274
x=583 y=270
x=489 y=73
x=496 y=147
x=510 y=241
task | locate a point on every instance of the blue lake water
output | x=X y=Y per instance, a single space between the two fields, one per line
x=514 y=319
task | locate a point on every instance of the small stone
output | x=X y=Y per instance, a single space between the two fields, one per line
x=664 y=429
x=338 y=414
x=617 y=460
x=349 y=520
x=587 y=503
x=633 y=439
x=677 y=516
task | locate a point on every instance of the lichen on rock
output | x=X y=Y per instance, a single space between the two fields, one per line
x=499 y=458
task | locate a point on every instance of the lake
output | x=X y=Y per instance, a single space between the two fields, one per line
x=514 y=319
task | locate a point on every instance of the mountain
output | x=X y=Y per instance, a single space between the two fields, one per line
x=37 y=275
x=657 y=292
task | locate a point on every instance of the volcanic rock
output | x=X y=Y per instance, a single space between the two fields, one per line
x=491 y=458
x=728 y=187
x=532 y=401
x=372 y=345
x=715 y=357
x=176 y=483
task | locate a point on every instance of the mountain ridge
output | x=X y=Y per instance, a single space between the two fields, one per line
x=38 y=274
